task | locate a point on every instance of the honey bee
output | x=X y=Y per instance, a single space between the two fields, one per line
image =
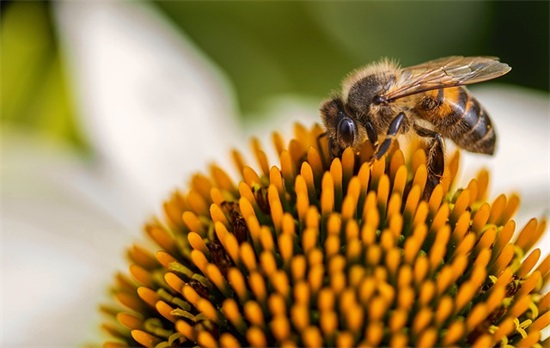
x=383 y=100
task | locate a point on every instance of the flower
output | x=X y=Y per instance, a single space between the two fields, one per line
x=345 y=253
x=66 y=217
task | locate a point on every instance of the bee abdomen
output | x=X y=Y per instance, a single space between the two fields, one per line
x=474 y=131
x=459 y=116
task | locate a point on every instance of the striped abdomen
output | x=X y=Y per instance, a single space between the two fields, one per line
x=458 y=116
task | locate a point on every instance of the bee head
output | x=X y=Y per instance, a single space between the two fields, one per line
x=342 y=129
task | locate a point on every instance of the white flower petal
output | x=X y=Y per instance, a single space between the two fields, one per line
x=154 y=111
x=151 y=105
x=58 y=251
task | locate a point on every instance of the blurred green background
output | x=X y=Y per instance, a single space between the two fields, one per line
x=270 y=49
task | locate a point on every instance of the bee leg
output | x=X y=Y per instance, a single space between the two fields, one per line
x=372 y=134
x=395 y=126
x=435 y=161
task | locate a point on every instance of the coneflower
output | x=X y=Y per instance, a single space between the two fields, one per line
x=347 y=253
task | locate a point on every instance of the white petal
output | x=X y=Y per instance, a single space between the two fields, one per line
x=151 y=104
x=58 y=251
x=155 y=111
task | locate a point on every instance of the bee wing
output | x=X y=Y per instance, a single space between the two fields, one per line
x=445 y=72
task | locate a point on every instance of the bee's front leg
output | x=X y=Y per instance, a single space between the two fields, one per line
x=393 y=131
x=435 y=161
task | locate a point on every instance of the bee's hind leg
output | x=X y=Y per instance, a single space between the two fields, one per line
x=395 y=127
x=435 y=161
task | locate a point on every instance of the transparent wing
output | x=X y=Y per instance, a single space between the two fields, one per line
x=445 y=72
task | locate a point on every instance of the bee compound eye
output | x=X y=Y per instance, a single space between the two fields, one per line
x=346 y=131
